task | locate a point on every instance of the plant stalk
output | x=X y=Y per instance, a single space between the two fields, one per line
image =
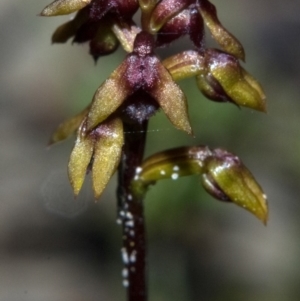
x=131 y=214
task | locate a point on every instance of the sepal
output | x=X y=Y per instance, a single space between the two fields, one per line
x=64 y=7
x=99 y=150
x=107 y=154
x=80 y=159
x=67 y=30
x=68 y=127
x=224 y=38
x=126 y=34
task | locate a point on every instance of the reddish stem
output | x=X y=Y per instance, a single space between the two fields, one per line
x=131 y=215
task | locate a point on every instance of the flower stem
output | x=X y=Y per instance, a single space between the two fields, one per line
x=131 y=215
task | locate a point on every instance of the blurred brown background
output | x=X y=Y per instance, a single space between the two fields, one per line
x=53 y=248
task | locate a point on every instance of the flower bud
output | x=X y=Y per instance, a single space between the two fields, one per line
x=187 y=22
x=103 y=43
x=164 y=11
x=64 y=7
x=227 y=179
x=225 y=80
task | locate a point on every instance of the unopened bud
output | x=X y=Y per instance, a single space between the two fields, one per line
x=187 y=22
x=103 y=43
x=164 y=11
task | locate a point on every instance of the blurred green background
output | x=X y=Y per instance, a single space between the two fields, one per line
x=53 y=248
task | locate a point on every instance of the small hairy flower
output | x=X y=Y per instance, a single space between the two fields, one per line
x=223 y=176
x=93 y=22
x=141 y=73
x=219 y=76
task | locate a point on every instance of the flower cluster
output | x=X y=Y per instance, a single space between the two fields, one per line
x=142 y=83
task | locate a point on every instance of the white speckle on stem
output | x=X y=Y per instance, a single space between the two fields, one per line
x=125 y=283
x=125 y=256
x=125 y=273
x=129 y=223
x=133 y=256
x=129 y=215
x=176 y=168
x=138 y=170
x=174 y=176
x=162 y=172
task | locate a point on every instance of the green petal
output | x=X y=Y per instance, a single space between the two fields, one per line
x=225 y=39
x=65 y=31
x=107 y=154
x=108 y=97
x=171 y=99
x=79 y=160
x=126 y=34
x=64 y=7
x=68 y=127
